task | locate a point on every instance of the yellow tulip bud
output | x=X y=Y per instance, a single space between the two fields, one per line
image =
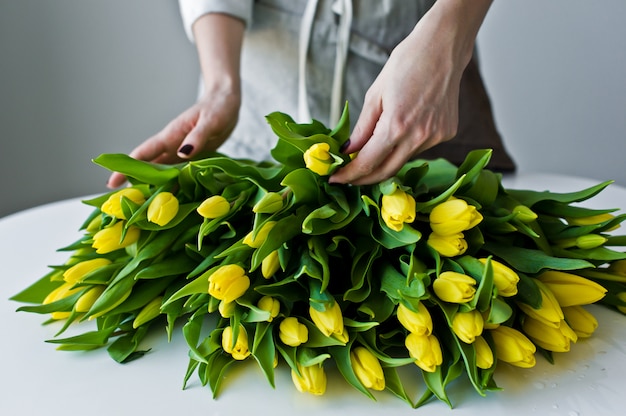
x=426 y=351
x=453 y=216
x=580 y=320
x=367 y=368
x=312 y=379
x=397 y=208
x=237 y=348
x=148 y=312
x=570 y=289
x=61 y=292
x=77 y=272
x=256 y=241
x=271 y=305
x=330 y=322
x=226 y=309
x=549 y=312
x=448 y=245
x=269 y=204
x=215 y=206
x=504 y=278
x=228 y=283
x=117 y=303
x=513 y=347
x=270 y=264
x=484 y=355
x=454 y=287
x=419 y=322
x=163 y=208
x=318 y=159
x=548 y=337
x=467 y=325
x=590 y=220
x=113 y=205
x=87 y=299
x=589 y=241
x=110 y=239
x=94 y=225
x=524 y=214
x=292 y=332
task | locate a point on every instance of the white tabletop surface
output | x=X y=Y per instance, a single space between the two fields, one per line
x=35 y=379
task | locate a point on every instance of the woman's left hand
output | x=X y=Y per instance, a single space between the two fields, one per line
x=413 y=103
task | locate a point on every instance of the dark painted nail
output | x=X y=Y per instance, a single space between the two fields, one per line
x=345 y=145
x=186 y=149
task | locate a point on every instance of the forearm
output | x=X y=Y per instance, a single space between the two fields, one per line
x=219 y=39
x=453 y=25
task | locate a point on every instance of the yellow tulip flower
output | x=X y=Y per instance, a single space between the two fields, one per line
x=367 y=368
x=570 y=289
x=513 y=347
x=454 y=287
x=426 y=351
x=228 y=283
x=548 y=337
x=163 y=208
x=256 y=241
x=312 y=379
x=238 y=348
x=397 y=209
x=271 y=305
x=448 y=245
x=215 y=206
x=550 y=312
x=330 y=322
x=318 y=159
x=504 y=278
x=113 y=205
x=467 y=325
x=77 y=272
x=580 y=320
x=292 y=332
x=453 y=216
x=110 y=238
x=484 y=355
x=419 y=322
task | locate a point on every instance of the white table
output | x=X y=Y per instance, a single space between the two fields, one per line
x=35 y=379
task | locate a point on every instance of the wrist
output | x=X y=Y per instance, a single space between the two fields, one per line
x=454 y=26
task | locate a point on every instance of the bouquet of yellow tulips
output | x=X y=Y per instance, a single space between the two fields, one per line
x=438 y=268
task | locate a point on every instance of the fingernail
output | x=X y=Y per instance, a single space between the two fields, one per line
x=345 y=145
x=186 y=149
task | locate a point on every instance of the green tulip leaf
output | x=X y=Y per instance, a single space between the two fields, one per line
x=530 y=198
x=533 y=261
x=141 y=171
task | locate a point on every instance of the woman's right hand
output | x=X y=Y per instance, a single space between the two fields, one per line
x=208 y=123
x=200 y=129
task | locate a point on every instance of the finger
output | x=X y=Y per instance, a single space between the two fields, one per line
x=385 y=170
x=116 y=180
x=207 y=135
x=369 y=158
x=365 y=126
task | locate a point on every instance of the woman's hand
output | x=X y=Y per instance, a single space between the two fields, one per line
x=208 y=123
x=413 y=103
x=201 y=128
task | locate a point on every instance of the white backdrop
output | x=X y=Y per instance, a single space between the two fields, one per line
x=83 y=77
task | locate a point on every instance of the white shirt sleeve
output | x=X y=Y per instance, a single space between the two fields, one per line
x=191 y=10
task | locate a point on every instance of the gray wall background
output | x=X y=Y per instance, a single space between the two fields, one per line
x=83 y=77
